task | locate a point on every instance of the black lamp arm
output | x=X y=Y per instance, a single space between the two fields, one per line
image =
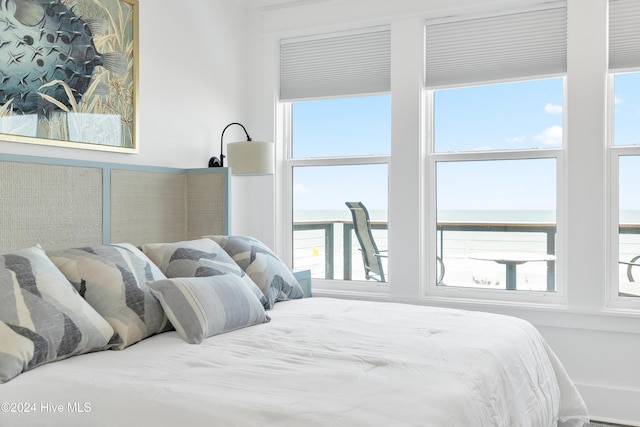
x=214 y=161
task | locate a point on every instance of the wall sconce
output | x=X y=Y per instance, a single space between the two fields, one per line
x=246 y=157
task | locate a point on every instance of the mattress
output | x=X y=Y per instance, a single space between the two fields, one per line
x=318 y=362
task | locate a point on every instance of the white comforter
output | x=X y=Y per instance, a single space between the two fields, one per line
x=319 y=362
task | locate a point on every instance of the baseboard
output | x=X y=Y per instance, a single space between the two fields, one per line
x=612 y=405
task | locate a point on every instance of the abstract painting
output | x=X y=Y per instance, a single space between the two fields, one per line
x=68 y=73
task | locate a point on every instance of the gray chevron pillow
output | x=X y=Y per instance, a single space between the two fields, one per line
x=200 y=307
x=113 y=279
x=272 y=276
x=42 y=317
x=197 y=258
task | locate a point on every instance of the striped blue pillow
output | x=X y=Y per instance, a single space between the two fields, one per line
x=197 y=258
x=272 y=276
x=42 y=317
x=200 y=307
x=113 y=279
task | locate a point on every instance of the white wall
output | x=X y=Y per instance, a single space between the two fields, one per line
x=193 y=69
x=598 y=345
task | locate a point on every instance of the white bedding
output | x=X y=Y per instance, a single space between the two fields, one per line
x=319 y=362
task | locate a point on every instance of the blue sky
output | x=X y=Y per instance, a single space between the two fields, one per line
x=627 y=109
x=498 y=117
x=519 y=115
x=627 y=131
x=508 y=116
x=341 y=127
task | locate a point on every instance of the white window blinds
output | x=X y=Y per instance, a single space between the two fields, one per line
x=624 y=34
x=510 y=46
x=337 y=65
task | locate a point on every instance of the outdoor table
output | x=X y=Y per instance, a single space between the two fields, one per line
x=511 y=260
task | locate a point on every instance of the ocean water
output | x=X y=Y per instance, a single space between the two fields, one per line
x=627 y=216
x=454 y=247
x=445 y=215
x=338 y=215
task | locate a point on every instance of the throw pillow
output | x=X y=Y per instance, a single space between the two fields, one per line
x=197 y=258
x=272 y=276
x=113 y=279
x=200 y=307
x=42 y=317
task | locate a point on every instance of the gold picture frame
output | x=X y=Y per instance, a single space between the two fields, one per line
x=69 y=74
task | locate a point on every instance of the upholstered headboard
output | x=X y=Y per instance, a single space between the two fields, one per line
x=63 y=203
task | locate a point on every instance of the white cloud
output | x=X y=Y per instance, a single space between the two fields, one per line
x=553 y=109
x=300 y=189
x=550 y=136
x=618 y=101
x=516 y=139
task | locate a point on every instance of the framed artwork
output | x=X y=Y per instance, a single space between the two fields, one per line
x=69 y=73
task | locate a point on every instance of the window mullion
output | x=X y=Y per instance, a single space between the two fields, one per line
x=339 y=161
x=497 y=155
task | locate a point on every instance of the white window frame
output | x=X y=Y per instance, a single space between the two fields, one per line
x=362 y=68
x=431 y=290
x=615 y=301
x=623 y=49
x=335 y=286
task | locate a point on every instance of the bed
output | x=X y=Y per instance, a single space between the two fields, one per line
x=214 y=331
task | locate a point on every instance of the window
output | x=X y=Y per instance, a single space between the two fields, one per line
x=506 y=117
x=626 y=124
x=341 y=127
x=335 y=92
x=340 y=151
x=626 y=156
x=624 y=68
x=495 y=90
x=496 y=184
x=629 y=227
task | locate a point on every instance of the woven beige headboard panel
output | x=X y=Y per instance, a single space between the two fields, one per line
x=63 y=203
x=53 y=205
x=204 y=204
x=148 y=207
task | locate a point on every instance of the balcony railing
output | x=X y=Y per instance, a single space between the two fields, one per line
x=328 y=230
x=333 y=240
x=548 y=229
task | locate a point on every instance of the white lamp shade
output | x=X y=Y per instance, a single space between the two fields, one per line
x=251 y=158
